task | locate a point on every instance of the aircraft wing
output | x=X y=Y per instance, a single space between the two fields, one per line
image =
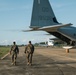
x=54 y=27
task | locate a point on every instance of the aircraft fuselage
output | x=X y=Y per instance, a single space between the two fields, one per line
x=67 y=34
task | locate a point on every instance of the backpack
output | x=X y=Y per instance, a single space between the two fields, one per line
x=15 y=48
x=30 y=48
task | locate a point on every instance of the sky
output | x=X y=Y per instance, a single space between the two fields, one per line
x=15 y=15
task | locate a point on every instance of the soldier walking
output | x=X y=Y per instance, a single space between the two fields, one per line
x=29 y=50
x=14 y=51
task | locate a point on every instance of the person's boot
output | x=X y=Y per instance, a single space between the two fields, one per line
x=14 y=63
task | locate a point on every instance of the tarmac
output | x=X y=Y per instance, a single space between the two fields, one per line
x=46 y=61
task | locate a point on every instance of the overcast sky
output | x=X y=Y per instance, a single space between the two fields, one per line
x=15 y=15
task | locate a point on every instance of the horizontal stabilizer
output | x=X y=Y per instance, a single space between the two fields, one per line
x=26 y=30
x=29 y=30
x=55 y=27
x=48 y=28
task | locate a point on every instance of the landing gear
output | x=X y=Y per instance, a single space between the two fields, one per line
x=72 y=43
x=67 y=50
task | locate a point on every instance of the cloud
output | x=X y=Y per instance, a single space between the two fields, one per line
x=5 y=42
x=25 y=41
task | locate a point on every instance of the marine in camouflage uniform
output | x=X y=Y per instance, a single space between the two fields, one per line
x=29 y=50
x=14 y=51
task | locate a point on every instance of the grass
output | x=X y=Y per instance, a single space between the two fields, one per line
x=4 y=50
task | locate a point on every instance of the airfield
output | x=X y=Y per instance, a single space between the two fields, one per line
x=46 y=61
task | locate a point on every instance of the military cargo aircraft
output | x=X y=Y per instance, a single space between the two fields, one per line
x=43 y=19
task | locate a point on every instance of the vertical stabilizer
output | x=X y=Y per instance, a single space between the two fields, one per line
x=42 y=14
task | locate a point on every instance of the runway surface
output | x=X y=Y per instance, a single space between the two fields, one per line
x=46 y=61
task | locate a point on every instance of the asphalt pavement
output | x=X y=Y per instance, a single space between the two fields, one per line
x=46 y=61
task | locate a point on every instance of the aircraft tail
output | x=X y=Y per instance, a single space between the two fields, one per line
x=42 y=14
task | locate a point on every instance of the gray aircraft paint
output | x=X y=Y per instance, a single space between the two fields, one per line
x=70 y=32
x=42 y=14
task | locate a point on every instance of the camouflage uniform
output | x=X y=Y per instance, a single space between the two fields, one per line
x=29 y=50
x=14 y=51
